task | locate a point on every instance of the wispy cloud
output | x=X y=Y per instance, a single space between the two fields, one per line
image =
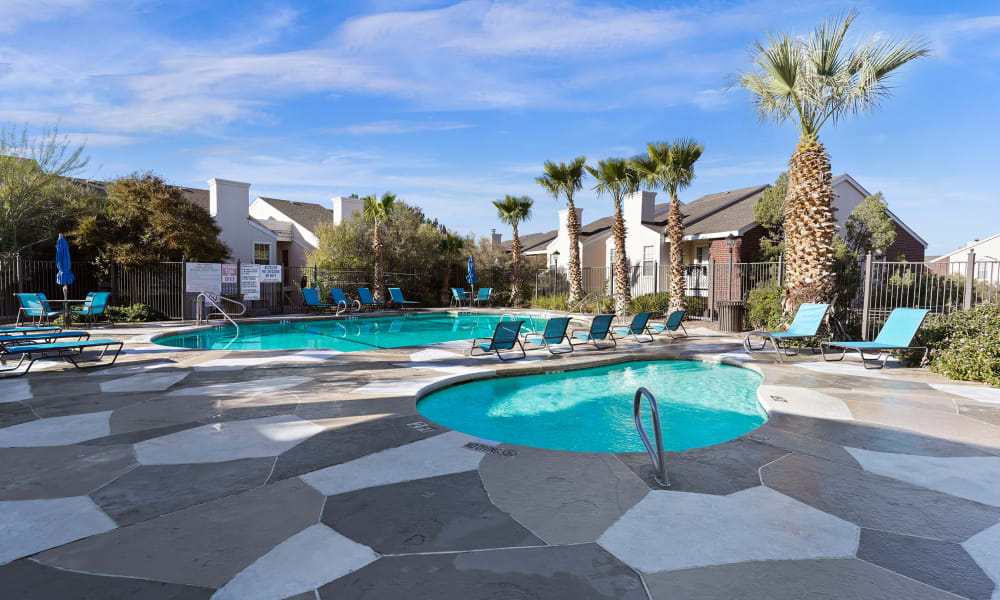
x=15 y=13
x=398 y=127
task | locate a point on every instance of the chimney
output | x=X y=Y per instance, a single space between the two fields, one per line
x=639 y=207
x=496 y=237
x=344 y=208
x=229 y=205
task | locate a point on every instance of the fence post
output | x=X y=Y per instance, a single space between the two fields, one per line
x=866 y=306
x=315 y=274
x=114 y=284
x=239 y=277
x=711 y=289
x=781 y=269
x=19 y=272
x=656 y=277
x=184 y=262
x=970 y=273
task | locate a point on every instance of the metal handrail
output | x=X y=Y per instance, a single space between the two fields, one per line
x=211 y=299
x=591 y=297
x=656 y=454
x=343 y=307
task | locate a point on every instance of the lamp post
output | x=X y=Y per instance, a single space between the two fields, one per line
x=555 y=260
x=731 y=244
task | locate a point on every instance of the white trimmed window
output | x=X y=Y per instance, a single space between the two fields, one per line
x=261 y=253
x=648 y=261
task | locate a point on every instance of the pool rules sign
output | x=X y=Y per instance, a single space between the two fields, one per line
x=250 y=282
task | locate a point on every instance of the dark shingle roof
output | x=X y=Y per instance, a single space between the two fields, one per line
x=533 y=241
x=196 y=196
x=306 y=214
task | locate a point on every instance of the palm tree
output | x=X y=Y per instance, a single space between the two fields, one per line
x=809 y=82
x=513 y=211
x=378 y=212
x=567 y=179
x=451 y=248
x=671 y=167
x=617 y=179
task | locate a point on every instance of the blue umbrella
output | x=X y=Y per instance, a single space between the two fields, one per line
x=65 y=275
x=470 y=276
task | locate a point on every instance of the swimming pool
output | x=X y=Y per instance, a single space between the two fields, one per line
x=590 y=410
x=346 y=335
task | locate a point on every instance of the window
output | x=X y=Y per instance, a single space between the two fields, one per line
x=261 y=253
x=701 y=254
x=648 y=264
x=611 y=257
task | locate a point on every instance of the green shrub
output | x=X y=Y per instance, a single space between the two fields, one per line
x=965 y=345
x=554 y=302
x=696 y=306
x=657 y=303
x=137 y=313
x=764 y=307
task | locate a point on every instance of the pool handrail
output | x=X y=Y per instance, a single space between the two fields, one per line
x=659 y=463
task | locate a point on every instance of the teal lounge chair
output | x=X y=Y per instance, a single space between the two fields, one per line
x=458 y=296
x=28 y=330
x=484 y=296
x=311 y=296
x=7 y=341
x=95 y=305
x=70 y=351
x=895 y=337
x=553 y=334
x=805 y=326
x=671 y=325
x=637 y=327
x=506 y=338
x=340 y=300
x=397 y=298
x=599 y=331
x=366 y=298
x=36 y=307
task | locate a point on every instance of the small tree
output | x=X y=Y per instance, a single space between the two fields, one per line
x=870 y=228
x=513 y=211
x=33 y=184
x=769 y=212
x=378 y=212
x=145 y=220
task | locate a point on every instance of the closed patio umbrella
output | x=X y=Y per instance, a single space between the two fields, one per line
x=470 y=276
x=64 y=276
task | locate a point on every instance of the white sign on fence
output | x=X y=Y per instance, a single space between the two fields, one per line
x=270 y=273
x=228 y=273
x=203 y=277
x=250 y=282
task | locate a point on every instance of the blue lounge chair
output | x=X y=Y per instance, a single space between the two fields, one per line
x=805 y=326
x=36 y=307
x=484 y=295
x=458 y=296
x=311 y=296
x=68 y=351
x=28 y=330
x=7 y=341
x=95 y=305
x=553 y=334
x=895 y=337
x=397 y=298
x=366 y=298
x=340 y=300
x=599 y=331
x=671 y=325
x=637 y=327
x=506 y=338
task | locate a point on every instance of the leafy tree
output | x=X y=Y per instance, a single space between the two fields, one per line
x=671 y=167
x=810 y=81
x=33 y=185
x=145 y=220
x=617 y=179
x=513 y=211
x=870 y=228
x=562 y=179
x=769 y=212
x=378 y=212
x=451 y=247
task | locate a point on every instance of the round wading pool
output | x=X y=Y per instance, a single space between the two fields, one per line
x=590 y=410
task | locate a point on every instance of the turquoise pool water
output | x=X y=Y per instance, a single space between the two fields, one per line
x=346 y=335
x=590 y=410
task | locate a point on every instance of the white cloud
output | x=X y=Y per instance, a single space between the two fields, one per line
x=395 y=127
x=14 y=13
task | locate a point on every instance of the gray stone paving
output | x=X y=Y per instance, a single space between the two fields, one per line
x=194 y=474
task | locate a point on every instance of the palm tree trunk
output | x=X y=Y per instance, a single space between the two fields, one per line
x=675 y=229
x=379 y=280
x=515 y=275
x=809 y=226
x=622 y=291
x=575 y=272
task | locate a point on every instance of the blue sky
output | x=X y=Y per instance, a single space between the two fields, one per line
x=453 y=104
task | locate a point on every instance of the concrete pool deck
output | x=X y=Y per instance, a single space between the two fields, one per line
x=183 y=474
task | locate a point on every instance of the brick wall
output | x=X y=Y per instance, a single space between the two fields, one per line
x=718 y=252
x=907 y=245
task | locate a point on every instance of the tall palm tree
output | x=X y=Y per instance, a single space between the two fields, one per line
x=451 y=248
x=809 y=82
x=617 y=179
x=567 y=179
x=378 y=212
x=513 y=211
x=671 y=166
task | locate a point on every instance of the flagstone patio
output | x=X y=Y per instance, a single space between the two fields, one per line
x=184 y=474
